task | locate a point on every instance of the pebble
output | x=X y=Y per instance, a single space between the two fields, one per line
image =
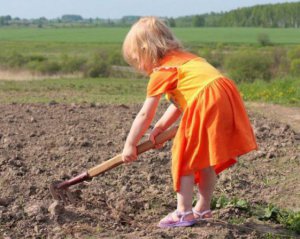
x=32 y=120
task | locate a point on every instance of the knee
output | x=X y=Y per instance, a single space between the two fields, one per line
x=207 y=172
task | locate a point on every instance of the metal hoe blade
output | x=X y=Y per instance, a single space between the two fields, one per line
x=62 y=194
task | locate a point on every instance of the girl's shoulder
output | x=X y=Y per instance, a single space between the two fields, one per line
x=176 y=58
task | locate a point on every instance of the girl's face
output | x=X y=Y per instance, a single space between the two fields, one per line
x=142 y=63
x=145 y=67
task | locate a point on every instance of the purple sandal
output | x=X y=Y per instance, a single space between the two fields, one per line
x=168 y=221
x=202 y=216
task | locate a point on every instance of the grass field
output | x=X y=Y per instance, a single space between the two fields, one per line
x=108 y=90
x=116 y=35
x=93 y=90
x=84 y=42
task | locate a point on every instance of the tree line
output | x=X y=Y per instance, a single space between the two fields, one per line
x=281 y=15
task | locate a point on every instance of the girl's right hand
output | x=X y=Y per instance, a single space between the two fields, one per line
x=155 y=131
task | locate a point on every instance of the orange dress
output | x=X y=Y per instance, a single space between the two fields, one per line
x=214 y=127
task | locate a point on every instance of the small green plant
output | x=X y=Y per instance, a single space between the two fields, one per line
x=292 y=221
x=241 y=204
x=223 y=201
x=219 y=202
x=271 y=212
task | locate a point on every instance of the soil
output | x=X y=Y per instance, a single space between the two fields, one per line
x=288 y=115
x=42 y=143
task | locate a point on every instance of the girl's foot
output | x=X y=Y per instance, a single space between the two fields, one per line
x=202 y=216
x=178 y=219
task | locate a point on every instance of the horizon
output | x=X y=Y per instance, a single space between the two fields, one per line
x=161 y=9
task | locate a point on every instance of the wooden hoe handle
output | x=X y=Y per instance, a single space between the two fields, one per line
x=141 y=148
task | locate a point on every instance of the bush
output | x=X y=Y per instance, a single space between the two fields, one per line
x=115 y=58
x=72 y=64
x=263 y=39
x=214 y=57
x=294 y=53
x=19 y=61
x=281 y=63
x=37 y=58
x=48 y=67
x=248 y=66
x=98 y=65
x=16 y=60
x=295 y=67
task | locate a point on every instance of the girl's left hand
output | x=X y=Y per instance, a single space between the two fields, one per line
x=129 y=153
x=155 y=131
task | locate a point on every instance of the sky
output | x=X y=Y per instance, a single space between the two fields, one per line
x=118 y=8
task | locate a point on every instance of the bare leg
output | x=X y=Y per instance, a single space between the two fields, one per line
x=185 y=198
x=206 y=188
x=185 y=195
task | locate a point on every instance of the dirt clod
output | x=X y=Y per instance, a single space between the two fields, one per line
x=34 y=209
x=56 y=208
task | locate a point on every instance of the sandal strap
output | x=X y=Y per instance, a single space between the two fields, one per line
x=201 y=214
x=182 y=215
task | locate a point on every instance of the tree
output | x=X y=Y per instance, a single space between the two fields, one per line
x=171 y=22
x=71 y=18
x=4 y=20
x=198 y=21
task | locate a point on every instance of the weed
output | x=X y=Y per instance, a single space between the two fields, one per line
x=269 y=212
x=280 y=91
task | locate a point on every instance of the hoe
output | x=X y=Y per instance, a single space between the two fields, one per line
x=59 y=190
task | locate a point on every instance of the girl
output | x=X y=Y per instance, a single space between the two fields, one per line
x=214 y=127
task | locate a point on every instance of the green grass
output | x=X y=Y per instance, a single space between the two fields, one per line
x=117 y=35
x=94 y=90
x=109 y=90
x=55 y=49
x=279 y=91
x=75 y=35
x=237 y=35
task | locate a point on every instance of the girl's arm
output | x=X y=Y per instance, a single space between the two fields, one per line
x=169 y=117
x=139 y=127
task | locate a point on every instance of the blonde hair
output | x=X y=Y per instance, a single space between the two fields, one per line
x=148 y=41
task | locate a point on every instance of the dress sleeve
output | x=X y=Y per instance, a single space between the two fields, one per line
x=162 y=81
